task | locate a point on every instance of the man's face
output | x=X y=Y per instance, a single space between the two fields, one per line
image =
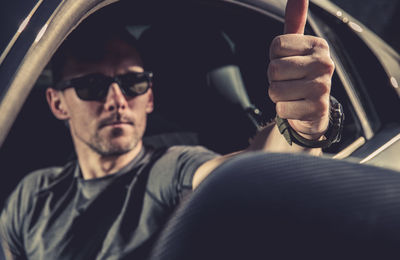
x=115 y=125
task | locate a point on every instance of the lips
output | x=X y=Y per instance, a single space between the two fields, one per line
x=116 y=123
x=113 y=122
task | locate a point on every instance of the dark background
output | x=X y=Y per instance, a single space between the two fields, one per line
x=381 y=16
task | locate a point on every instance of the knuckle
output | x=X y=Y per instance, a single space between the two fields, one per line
x=325 y=64
x=331 y=67
x=320 y=108
x=273 y=92
x=321 y=43
x=280 y=110
x=321 y=87
x=276 y=45
x=328 y=65
x=273 y=70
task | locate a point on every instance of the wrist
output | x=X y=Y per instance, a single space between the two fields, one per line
x=319 y=135
x=313 y=137
x=332 y=135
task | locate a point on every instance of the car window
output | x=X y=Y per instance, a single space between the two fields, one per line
x=14 y=19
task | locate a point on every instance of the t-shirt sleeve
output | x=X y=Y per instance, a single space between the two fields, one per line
x=172 y=174
x=11 y=224
x=14 y=214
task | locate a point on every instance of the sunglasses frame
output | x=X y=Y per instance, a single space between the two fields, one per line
x=62 y=85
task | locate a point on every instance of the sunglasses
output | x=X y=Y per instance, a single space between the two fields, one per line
x=94 y=87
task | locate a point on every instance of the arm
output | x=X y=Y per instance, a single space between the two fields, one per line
x=4 y=239
x=6 y=251
x=11 y=223
x=299 y=74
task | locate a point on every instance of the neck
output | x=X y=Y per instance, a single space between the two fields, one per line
x=94 y=165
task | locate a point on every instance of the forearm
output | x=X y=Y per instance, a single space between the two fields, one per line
x=269 y=139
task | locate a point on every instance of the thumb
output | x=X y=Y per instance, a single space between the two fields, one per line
x=296 y=16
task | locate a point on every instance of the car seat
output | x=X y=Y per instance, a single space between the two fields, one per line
x=199 y=94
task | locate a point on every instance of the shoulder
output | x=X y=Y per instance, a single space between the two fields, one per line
x=178 y=158
x=23 y=199
x=181 y=150
x=46 y=177
x=36 y=182
x=174 y=169
x=179 y=153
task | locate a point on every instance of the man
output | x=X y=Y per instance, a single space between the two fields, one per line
x=112 y=201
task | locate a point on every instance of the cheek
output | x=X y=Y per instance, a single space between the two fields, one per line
x=82 y=113
x=81 y=121
x=141 y=105
x=138 y=113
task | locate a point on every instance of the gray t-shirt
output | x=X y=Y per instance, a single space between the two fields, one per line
x=55 y=214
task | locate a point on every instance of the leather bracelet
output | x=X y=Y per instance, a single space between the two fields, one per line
x=333 y=134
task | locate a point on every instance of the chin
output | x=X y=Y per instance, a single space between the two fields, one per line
x=122 y=145
x=117 y=142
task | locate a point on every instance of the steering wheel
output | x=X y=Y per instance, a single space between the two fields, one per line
x=287 y=206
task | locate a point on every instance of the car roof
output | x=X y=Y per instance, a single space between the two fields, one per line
x=16 y=18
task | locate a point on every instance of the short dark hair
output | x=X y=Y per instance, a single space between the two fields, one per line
x=88 y=41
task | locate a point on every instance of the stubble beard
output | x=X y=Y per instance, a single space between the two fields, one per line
x=105 y=147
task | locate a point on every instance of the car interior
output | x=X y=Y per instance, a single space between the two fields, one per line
x=195 y=51
x=210 y=84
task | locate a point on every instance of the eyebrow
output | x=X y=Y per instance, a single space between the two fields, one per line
x=136 y=68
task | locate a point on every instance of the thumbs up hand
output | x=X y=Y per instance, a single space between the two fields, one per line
x=300 y=73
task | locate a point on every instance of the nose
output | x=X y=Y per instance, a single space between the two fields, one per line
x=115 y=99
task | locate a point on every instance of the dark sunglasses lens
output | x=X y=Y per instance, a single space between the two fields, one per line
x=139 y=87
x=92 y=87
x=135 y=84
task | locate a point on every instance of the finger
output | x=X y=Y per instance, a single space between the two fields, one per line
x=296 y=16
x=292 y=68
x=290 y=45
x=282 y=91
x=304 y=110
x=297 y=45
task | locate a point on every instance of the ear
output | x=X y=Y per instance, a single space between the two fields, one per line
x=150 y=101
x=56 y=104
